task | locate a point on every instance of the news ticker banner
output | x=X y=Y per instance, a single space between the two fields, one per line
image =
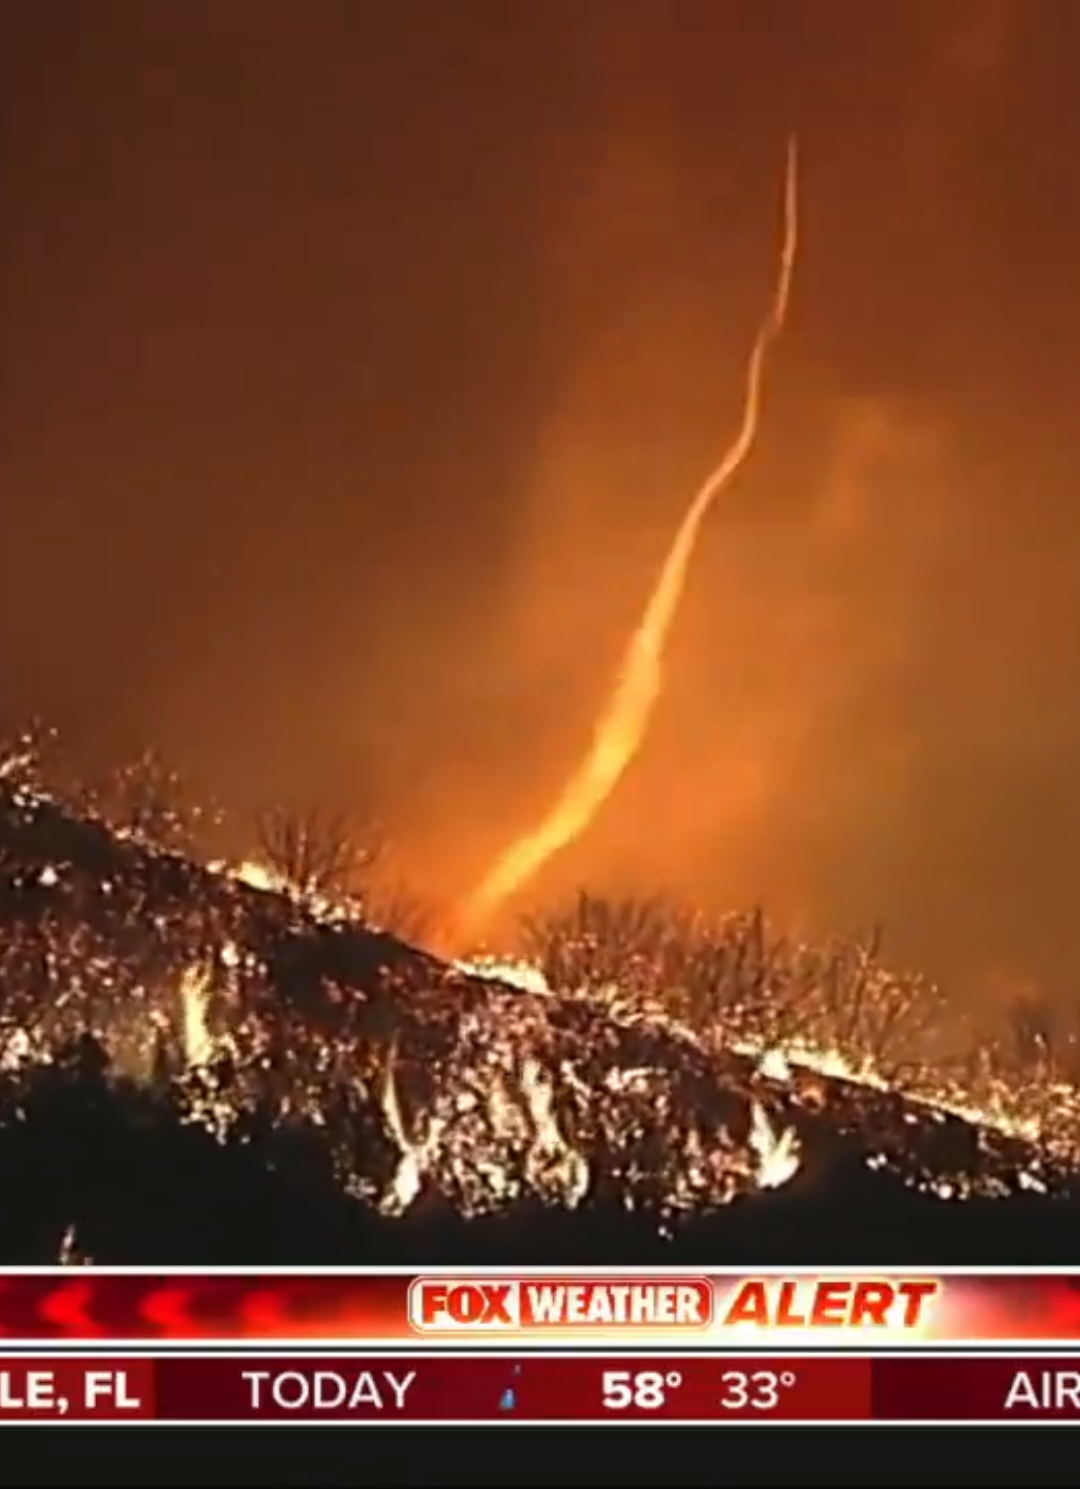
x=384 y=1308
x=487 y=1388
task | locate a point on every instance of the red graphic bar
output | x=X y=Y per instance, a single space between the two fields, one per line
x=1006 y=1389
x=77 y=1390
x=723 y=1311
x=494 y=1388
x=538 y=1389
x=433 y=1388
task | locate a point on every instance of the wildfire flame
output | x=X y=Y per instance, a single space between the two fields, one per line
x=778 y=1154
x=622 y=725
x=194 y=1002
x=520 y=1091
x=495 y=1087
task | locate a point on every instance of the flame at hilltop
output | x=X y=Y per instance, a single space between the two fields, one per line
x=622 y=725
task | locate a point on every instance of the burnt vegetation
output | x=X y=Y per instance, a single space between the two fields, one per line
x=205 y=1065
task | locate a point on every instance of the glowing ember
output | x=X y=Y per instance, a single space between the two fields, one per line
x=259 y=876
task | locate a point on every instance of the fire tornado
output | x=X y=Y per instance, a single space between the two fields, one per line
x=621 y=728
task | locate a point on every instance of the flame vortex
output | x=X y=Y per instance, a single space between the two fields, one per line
x=621 y=727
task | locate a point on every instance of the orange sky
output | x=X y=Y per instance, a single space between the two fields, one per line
x=356 y=375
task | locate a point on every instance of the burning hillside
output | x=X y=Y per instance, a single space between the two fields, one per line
x=242 y=1036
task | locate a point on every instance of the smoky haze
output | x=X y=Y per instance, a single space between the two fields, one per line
x=357 y=369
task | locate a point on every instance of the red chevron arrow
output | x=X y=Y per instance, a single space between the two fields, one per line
x=265 y=1315
x=66 y=1308
x=169 y=1310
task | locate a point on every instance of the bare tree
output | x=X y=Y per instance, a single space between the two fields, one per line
x=1035 y=1031
x=147 y=796
x=29 y=756
x=155 y=800
x=317 y=852
x=391 y=905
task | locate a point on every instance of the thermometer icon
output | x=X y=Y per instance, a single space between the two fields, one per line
x=508 y=1400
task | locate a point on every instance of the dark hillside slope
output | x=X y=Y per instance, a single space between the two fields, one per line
x=193 y=1070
